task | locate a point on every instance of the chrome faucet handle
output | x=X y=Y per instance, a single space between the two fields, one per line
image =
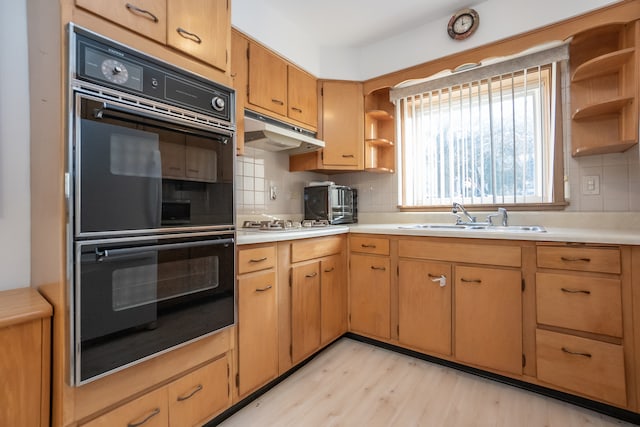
x=502 y=212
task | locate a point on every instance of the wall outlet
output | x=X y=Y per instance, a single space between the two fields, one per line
x=590 y=185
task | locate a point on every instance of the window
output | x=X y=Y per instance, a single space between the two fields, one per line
x=486 y=136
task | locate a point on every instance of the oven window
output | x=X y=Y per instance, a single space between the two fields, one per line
x=138 y=173
x=140 y=299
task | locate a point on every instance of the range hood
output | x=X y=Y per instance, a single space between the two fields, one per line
x=271 y=135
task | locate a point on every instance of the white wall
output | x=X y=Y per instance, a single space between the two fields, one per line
x=498 y=19
x=14 y=147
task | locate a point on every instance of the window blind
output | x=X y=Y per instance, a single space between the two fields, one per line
x=481 y=136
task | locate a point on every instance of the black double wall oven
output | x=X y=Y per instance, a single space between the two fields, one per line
x=151 y=240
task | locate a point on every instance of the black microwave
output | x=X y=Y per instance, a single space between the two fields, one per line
x=334 y=203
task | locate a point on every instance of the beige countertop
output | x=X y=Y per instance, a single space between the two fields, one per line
x=553 y=234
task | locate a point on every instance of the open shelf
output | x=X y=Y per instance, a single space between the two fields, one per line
x=379 y=115
x=612 y=106
x=380 y=142
x=602 y=65
x=618 y=147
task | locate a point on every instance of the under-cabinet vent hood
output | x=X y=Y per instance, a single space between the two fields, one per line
x=271 y=135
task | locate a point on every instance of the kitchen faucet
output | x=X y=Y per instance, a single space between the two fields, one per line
x=458 y=207
x=459 y=210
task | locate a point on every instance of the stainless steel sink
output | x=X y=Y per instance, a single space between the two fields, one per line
x=478 y=227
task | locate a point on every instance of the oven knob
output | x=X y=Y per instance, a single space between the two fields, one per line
x=217 y=103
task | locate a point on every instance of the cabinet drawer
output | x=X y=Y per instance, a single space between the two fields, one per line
x=585 y=366
x=472 y=253
x=152 y=409
x=305 y=249
x=369 y=245
x=603 y=260
x=590 y=304
x=255 y=259
x=200 y=395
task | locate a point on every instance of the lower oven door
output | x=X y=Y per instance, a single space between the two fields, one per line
x=135 y=298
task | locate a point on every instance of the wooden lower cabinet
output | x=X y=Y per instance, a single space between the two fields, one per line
x=257 y=330
x=369 y=295
x=488 y=318
x=333 y=298
x=424 y=305
x=25 y=330
x=188 y=401
x=318 y=295
x=589 y=367
x=305 y=310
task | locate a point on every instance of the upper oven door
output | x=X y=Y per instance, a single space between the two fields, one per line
x=138 y=171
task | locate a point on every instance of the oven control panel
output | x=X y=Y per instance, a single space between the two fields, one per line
x=107 y=63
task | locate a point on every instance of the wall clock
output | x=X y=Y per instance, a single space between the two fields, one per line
x=463 y=23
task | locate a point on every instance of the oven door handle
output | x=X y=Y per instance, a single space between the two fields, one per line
x=100 y=113
x=109 y=254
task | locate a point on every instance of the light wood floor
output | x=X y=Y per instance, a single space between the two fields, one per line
x=355 y=384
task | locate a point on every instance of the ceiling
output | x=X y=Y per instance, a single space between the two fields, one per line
x=354 y=23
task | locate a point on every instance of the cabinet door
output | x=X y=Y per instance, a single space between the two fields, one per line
x=343 y=124
x=200 y=160
x=488 y=318
x=149 y=410
x=369 y=293
x=146 y=17
x=267 y=80
x=200 y=395
x=200 y=28
x=425 y=305
x=257 y=331
x=305 y=310
x=302 y=97
x=333 y=303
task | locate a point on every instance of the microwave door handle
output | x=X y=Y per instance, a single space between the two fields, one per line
x=108 y=254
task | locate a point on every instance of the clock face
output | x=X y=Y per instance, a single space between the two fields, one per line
x=463 y=24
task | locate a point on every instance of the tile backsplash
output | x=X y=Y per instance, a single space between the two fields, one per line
x=265 y=187
x=258 y=171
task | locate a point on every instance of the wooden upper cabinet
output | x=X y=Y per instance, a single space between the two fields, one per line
x=343 y=125
x=146 y=17
x=200 y=28
x=302 y=96
x=267 y=80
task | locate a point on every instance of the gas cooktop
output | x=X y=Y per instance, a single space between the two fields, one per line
x=285 y=225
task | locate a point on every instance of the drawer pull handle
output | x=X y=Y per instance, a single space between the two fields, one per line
x=314 y=274
x=189 y=36
x=266 y=288
x=575 y=291
x=277 y=101
x=329 y=270
x=296 y=109
x=348 y=156
x=373 y=267
x=258 y=259
x=368 y=246
x=463 y=280
x=190 y=395
x=148 y=417
x=138 y=11
x=571 y=259
x=576 y=353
